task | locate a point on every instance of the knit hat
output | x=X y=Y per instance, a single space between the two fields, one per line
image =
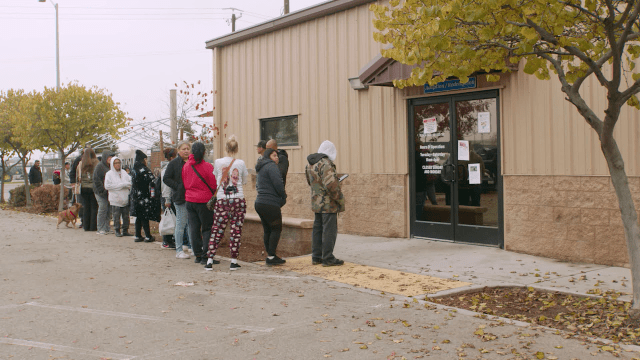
x=328 y=149
x=140 y=155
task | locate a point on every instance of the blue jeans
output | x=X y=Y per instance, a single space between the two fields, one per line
x=103 y=213
x=181 y=225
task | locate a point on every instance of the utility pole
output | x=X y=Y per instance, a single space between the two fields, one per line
x=286 y=7
x=234 y=18
x=173 y=109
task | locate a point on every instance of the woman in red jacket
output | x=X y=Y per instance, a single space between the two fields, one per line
x=199 y=184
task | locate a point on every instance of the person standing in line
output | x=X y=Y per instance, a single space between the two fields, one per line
x=173 y=178
x=73 y=171
x=35 y=174
x=199 y=185
x=327 y=201
x=231 y=207
x=118 y=184
x=271 y=197
x=84 y=175
x=102 y=195
x=283 y=159
x=67 y=181
x=145 y=204
x=168 y=241
x=260 y=148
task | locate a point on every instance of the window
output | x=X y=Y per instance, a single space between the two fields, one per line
x=284 y=129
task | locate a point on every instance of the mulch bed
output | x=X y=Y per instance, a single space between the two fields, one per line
x=603 y=317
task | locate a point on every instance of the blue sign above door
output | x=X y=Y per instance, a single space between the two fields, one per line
x=450 y=85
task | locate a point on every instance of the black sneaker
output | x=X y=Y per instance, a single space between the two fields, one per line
x=334 y=262
x=203 y=261
x=316 y=261
x=198 y=260
x=234 y=266
x=149 y=239
x=138 y=239
x=275 y=261
x=209 y=265
x=126 y=233
x=118 y=234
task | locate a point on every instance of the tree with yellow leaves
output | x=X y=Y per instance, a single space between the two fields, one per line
x=574 y=39
x=72 y=116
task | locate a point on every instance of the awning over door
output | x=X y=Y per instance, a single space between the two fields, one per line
x=381 y=71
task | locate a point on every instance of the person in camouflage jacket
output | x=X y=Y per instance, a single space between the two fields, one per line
x=327 y=201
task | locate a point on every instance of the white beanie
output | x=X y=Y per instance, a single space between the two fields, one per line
x=328 y=149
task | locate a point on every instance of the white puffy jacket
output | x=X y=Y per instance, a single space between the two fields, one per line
x=118 y=184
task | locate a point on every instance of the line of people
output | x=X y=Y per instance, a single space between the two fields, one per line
x=187 y=184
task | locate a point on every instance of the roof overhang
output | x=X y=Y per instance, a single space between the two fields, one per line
x=381 y=71
x=294 y=18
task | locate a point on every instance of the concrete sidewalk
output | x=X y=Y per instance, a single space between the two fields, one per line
x=480 y=265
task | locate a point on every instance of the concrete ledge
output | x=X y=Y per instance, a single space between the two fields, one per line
x=295 y=238
x=286 y=221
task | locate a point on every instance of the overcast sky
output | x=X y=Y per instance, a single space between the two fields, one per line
x=136 y=49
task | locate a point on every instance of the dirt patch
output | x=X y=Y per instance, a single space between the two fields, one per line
x=369 y=277
x=603 y=317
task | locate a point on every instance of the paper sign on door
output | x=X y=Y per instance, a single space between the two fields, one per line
x=430 y=125
x=463 y=150
x=484 y=122
x=474 y=174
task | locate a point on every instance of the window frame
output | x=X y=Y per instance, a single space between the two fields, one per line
x=264 y=136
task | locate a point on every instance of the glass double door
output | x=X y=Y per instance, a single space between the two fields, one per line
x=456 y=187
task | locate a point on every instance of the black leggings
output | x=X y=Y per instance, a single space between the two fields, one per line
x=140 y=224
x=90 y=214
x=271 y=218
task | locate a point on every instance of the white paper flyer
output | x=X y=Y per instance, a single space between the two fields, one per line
x=474 y=174
x=484 y=122
x=463 y=150
x=430 y=125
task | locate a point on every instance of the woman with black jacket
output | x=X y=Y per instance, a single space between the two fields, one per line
x=145 y=204
x=173 y=179
x=271 y=197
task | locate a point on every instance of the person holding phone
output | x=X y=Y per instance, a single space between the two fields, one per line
x=327 y=201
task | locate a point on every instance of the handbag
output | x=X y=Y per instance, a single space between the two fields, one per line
x=168 y=222
x=211 y=204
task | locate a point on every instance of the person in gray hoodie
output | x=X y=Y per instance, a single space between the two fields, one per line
x=271 y=197
x=102 y=195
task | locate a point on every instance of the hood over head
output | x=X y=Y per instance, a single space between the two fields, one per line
x=140 y=155
x=264 y=160
x=328 y=149
x=112 y=161
x=105 y=156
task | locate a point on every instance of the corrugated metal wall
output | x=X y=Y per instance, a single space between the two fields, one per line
x=543 y=134
x=304 y=70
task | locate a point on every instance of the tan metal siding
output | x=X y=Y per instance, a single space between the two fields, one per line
x=304 y=70
x=545 y=135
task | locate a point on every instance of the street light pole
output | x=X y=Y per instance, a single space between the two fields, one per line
x=55 y=6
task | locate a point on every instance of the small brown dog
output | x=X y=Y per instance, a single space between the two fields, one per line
x=69 y=216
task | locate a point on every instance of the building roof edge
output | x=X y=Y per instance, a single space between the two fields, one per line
x=294 y=18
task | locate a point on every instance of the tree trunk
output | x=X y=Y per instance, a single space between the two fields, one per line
x=2 y=184
x=628 y=212
x=27 y=193
x=62 y=176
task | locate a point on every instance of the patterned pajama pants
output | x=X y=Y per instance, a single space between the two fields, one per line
x=227 y=211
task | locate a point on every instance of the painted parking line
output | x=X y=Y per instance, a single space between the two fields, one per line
x=68 y=349
x=97 y=312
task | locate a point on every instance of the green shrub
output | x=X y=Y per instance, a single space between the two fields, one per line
x=17 y=196
x=46 y=198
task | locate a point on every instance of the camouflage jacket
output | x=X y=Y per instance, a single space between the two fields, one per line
x=326 y=195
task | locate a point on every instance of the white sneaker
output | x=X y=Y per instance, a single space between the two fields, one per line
x=182 y=255
x=101 y=233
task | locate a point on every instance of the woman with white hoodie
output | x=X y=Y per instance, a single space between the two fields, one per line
x=118 y=184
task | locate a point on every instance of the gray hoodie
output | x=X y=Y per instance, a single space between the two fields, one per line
x=98 y=174
x=270 y=186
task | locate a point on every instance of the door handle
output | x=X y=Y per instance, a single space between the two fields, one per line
x=448 y=173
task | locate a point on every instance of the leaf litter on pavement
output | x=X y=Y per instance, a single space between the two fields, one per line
x=391 y=281
x=603 y=317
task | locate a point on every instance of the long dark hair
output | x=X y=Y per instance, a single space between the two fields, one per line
x=198 y=150
x=89 y=160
